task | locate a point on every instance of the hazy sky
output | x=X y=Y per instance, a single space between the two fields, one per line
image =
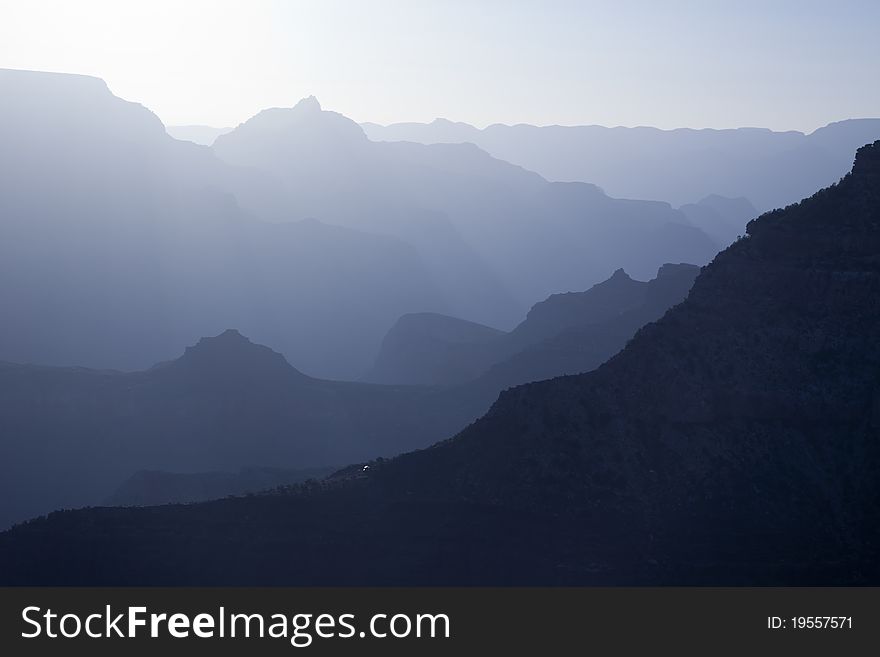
x=784 y=64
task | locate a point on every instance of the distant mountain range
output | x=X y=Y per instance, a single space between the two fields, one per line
x=770 y=169
x=501 y=236
x=120 y=244
x=734 y=441
x=179 y=431
x=71 y=435
x=565 y=334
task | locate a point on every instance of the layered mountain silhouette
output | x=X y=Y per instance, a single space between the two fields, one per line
x=564 y=334
x=576 y=332
x=513 y=237
x=75 y=434
x=734 y=441
x=71 y=435
x=120 y=243
x=770 y=169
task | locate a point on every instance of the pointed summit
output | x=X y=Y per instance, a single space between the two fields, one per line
x=230 y=342
x=613 y=296
x=309 y=104
x=298 y=139
x=228 y=337
x=232 y=354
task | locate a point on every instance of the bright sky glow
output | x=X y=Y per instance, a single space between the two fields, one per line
x=782 y=64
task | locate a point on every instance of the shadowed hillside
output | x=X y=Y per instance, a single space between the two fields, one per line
x=735 y=441
x=72 y=435
x=152 y=487
x=294 y=227
x=564 y=334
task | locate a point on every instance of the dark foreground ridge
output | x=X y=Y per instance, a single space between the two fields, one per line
x=73 y=435
x=735 y=441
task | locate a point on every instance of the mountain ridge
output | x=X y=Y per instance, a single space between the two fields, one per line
x=73 y=434
x=573 y=331
x=142 y=246
x=226 y=402
x=509 y=228
x=734 y=441
x=632 y=162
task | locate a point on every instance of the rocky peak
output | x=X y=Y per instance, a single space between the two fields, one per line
x=232 y=353
x=308 y=104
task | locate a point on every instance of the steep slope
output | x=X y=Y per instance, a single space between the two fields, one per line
x=602 y=302
x=228 y=403
x=732 y=442
x=564 y=334
x=147 y=242
x=71 y=436
x=556 y=339
x=771 y=169
x=118 y=244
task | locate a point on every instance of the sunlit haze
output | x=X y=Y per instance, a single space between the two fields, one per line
x=782 y=65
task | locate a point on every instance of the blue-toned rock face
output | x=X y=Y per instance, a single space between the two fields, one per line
x=734 y=441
